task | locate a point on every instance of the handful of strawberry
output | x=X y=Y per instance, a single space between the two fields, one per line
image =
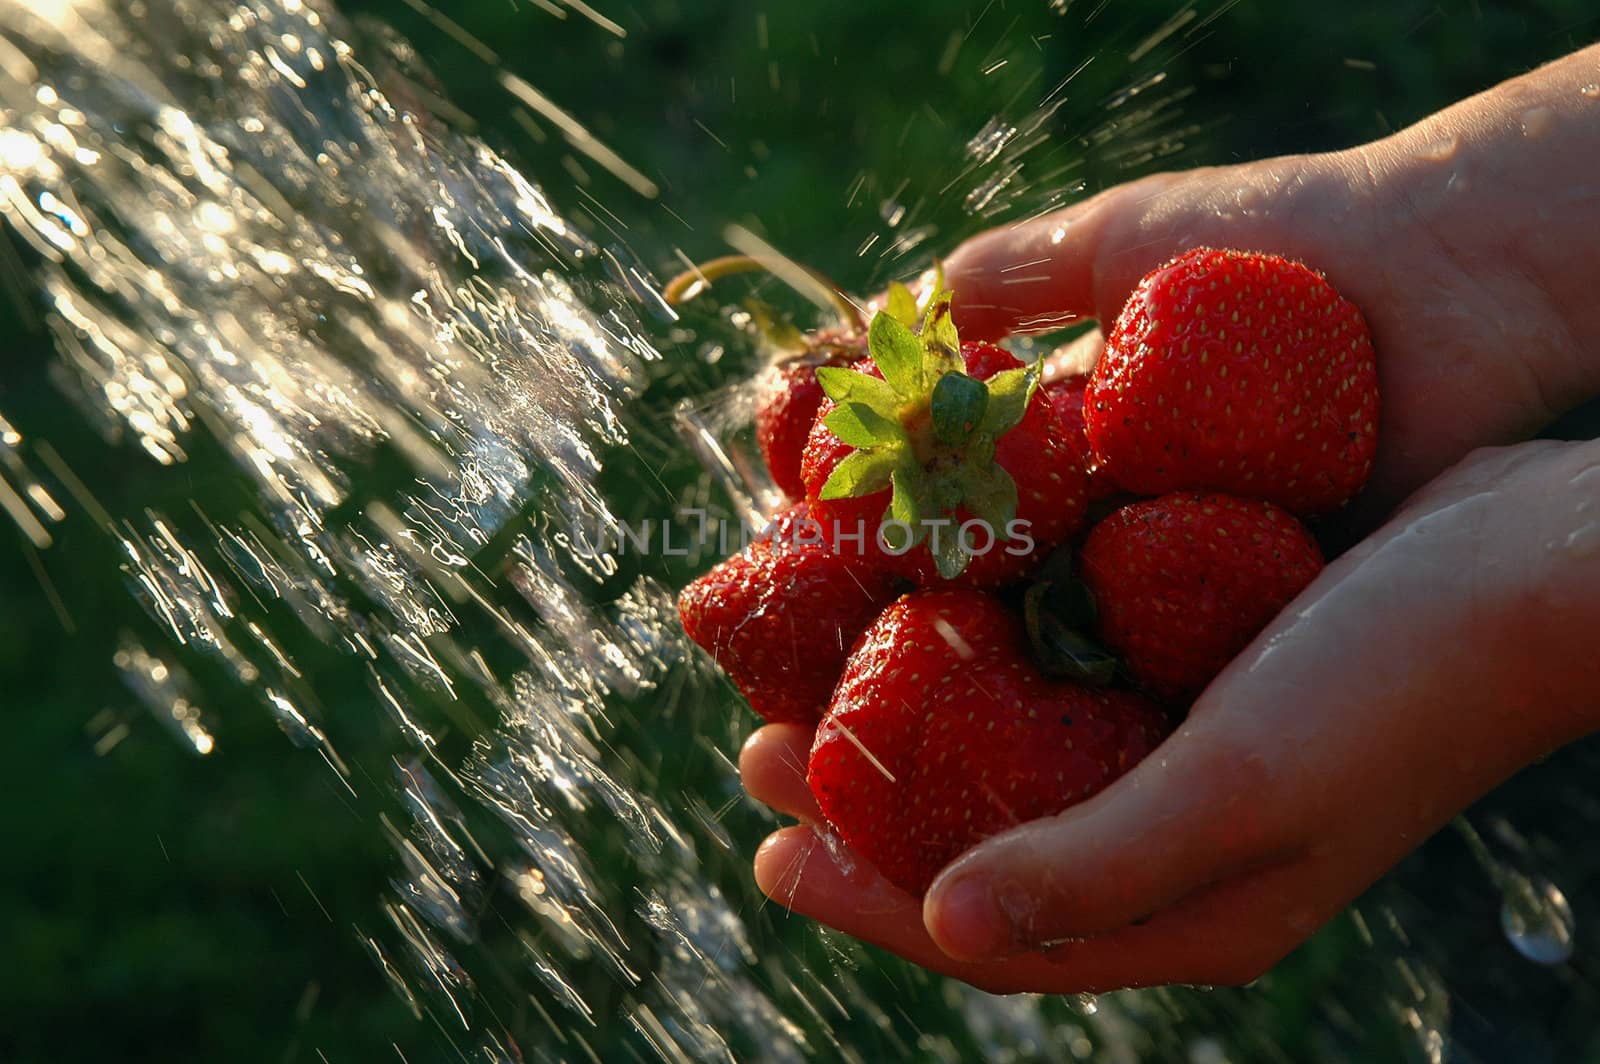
x=1236 y=388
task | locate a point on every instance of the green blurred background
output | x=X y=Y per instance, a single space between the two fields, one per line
x=157 y=905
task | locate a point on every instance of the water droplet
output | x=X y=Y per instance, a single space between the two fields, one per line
x=1249 y=198
x=1537 y=920
x=990 y=141
x=1584 y=541
x=990 y=189
x=1537 y=121
x=1590 y=91
x=1442 y=150
x=1587 y=481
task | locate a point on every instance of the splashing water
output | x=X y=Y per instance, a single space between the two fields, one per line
x=287 y=258
x=1537 y=920
x=257 y=246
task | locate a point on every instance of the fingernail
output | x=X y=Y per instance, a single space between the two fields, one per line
x=970 y=923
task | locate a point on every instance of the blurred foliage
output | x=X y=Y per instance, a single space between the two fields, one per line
x=162 y=906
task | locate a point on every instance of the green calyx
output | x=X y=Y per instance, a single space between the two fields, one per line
x=926 y=429
x=1058 y=610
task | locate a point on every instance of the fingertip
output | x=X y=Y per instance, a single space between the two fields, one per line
x=1059 y=268
x=1033 y=276
x=772 y=767
x=965 y=919
x=772 y=741
x=780 y=860
x=975 y=274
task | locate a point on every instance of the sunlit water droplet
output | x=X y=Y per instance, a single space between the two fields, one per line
x=989 y=195
x=1588 y=480
x=1590 y=91
x=990 y=140
x=1537 y=121
x=1537 y=920
x=1584 y=541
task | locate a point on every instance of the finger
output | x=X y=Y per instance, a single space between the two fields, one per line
x=1034 y=276
x=772 y=766
x=1082 y=262
x=1376 y=706
x=825 y=882
x=1198 y=809
x=1075 y=357
x=1227 y=933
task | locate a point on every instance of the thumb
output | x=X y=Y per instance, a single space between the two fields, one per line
x=1190 y=813
x=1418 y=671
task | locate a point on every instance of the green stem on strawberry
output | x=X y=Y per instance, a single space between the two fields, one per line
x=925 y=429
x=1059 y=610
x=1060 y=648
x=691 y=282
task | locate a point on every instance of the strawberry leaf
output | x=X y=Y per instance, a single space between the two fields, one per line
x=844 y=385
x=897 y=538
x=990 y=495
x=908 y=504
x=948 y=555
x=1009 y=393
x=957 y=407
x=1057 y=569
x=773 y=327
x=902 y=305
x=861 y=426
x=897 y=354
x=1059 y=650
x=979 y=451
x=1073 y=602
x=861 y=473
x=939 y=337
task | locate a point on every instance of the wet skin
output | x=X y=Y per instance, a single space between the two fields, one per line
x=1384 y=699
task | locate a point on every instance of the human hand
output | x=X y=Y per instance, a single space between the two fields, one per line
x=1422 y=668
x=1298 y=778
x=1465 y=240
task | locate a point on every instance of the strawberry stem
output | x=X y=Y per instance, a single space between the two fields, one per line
x=697 y=278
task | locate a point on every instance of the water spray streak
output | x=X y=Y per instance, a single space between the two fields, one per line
x=259 y=246
x=246 y=231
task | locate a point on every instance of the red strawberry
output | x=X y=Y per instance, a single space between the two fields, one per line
x=941 y=733
x=1183 y=583
x=787 y=399
x=1066 y=396
x=1238 y=372
x=787 y=405
x=951 y=441
x=780 y=618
